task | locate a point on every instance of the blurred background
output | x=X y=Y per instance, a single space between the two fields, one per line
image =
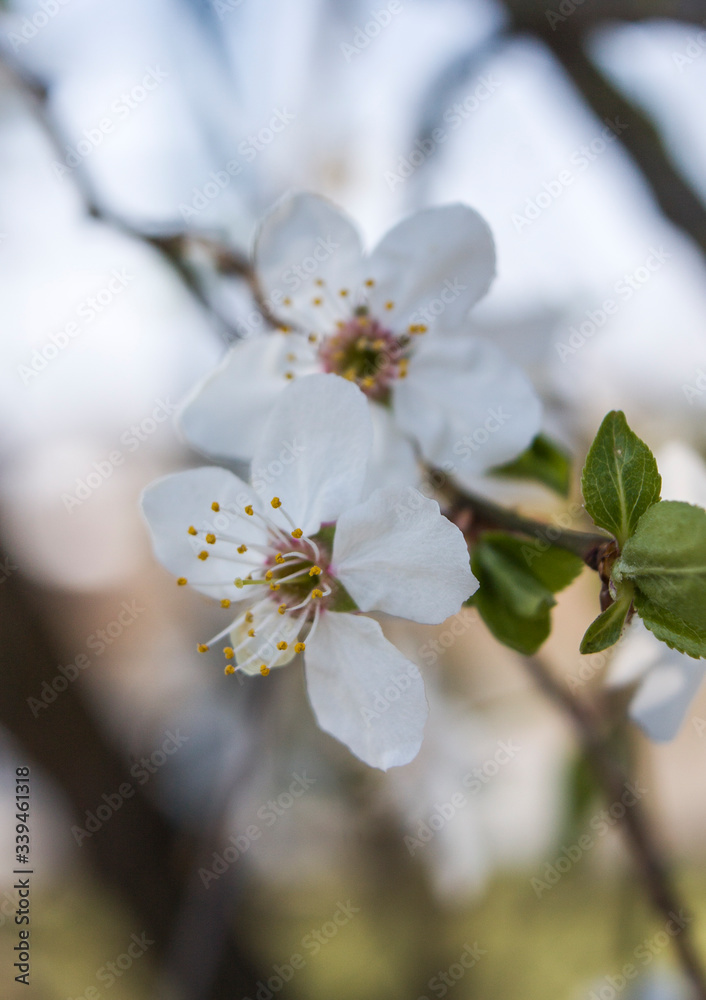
x=252 y=855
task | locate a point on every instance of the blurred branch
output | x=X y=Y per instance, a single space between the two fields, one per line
x=473 y=513
x=640 y=138
x=532 y=16
x=173 y=245
x=140 y=855
x=595 y=737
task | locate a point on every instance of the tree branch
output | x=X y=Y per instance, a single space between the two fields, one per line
x=635 y=823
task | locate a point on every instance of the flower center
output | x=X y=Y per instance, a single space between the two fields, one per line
x=289 y=583
x=366 y=353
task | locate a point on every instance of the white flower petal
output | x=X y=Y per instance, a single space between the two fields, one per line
x=393 y=461
x=364 y=691
x=314 y=450
x=174 y=503
x=433 y=266
x=223 y=414
x=396 y=553
x=304 y=240
x=662 y=700
x=466 y=405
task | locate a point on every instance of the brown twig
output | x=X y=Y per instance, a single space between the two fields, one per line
x=635 y=822
x=481 y=513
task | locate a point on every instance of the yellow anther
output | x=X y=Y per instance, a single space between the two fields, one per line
x=291 y=357
x=319 y=282
x=343 y=293
x=378 y=344
x=389 y=305
x=361 y=343
x=211 y=538
x=225 y=603
x=289 y=376
x=203 y=555
x=242 y=548
x=282 y=608
x=312 y=338
x=239 y=583
x=284 y=328
x=215 y=506
x=276 y=502
x=299 y=647
x=368 y=382
x=182 y=581
x=249 y=617
x=202 y=647
x=286 y=301
x=279 y=558
x=192 y=530
x=274 y=586
x=402 y=372
x=264 y=669
x=251 y=633
x=249 y=510
x=282 y=645
x=230 y=669
x=317 y=301
x=297 y=533
x=369 y=283
x=315 y=571
x=349 y=373
x=229 y=652
x=268 y=574
x=317 y=593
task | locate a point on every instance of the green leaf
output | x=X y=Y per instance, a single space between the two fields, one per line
x=518 y=580
x=670 y=628
x=544 y=462
x=620 y=479
x=605 y=630
x=666 y=561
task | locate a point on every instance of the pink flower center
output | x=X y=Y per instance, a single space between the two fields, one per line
x=366 y=353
